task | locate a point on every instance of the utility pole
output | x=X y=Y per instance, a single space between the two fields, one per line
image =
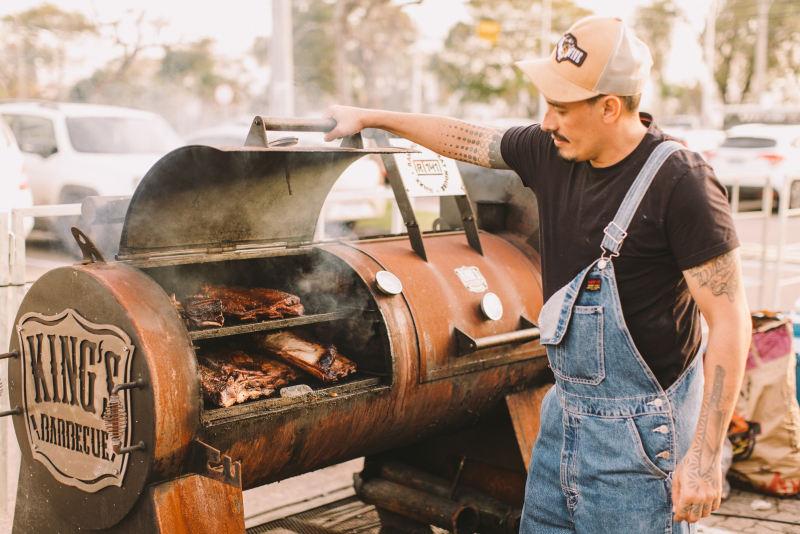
x=709 y=50
x=760 y=61
x=545 y=46
x=343 y=92
x=282 y=60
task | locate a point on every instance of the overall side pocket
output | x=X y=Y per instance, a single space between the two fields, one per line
x=580 y=357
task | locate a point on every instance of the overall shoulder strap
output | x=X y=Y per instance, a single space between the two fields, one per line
x=616 y=231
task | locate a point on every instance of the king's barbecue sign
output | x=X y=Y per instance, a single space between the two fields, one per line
x=69 y=367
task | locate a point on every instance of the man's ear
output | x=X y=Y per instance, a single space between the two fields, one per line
x=612 y=108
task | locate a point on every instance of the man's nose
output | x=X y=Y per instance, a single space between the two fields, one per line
x=549 y=120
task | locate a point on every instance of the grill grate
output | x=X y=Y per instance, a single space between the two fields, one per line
x=348 y=516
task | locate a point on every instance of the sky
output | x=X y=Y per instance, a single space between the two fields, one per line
x=234 y=24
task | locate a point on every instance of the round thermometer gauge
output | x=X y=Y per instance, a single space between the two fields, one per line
x=388 y=283
x=491 y=306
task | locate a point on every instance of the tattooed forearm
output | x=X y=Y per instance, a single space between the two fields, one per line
x=702 y=460
x=720 y=275
x=473 y=144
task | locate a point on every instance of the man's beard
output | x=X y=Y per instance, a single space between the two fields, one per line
x=569 y=159
x=555 y=135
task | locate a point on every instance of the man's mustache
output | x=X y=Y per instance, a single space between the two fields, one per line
x=557 y=135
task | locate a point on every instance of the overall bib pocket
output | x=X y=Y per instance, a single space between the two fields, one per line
x=579 y=357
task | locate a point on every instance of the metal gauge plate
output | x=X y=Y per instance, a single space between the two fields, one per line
x=491 y=306
x=388 y=283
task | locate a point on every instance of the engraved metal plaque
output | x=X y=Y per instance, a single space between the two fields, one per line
x=426 y=173
x=472 y=279
x=69 y=367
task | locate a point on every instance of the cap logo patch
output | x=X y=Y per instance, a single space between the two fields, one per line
x=567 y=49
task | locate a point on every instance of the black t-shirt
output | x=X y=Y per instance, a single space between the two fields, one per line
x=684 y=220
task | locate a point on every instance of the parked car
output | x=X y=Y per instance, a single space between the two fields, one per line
x=72 y=150
x=365 y=175
x=751 y=152
x=14 y=189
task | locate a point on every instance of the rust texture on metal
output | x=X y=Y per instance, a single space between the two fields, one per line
x=164 y=415
x=276 y=444
x=440 y=303
x=468 y=345
x=456 y=517
x=495 y=516
x=195 y=504
x=525 y=408
x=208 y=462
x=91 y=254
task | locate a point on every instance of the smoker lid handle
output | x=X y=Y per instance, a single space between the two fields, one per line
x=297 y=124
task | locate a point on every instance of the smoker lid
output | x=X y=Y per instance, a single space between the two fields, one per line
x=204 y=197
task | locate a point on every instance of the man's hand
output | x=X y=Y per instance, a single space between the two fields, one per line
x=349 y=121
x=717 y=289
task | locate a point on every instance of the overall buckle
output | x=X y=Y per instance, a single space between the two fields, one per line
x=607 y=231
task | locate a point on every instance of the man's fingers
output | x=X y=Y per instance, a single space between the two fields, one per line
x=707 y=509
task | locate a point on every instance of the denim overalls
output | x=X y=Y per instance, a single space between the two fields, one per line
x=610 y=436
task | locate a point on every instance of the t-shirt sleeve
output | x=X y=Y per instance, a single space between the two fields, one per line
x=522 y=149
x=698 y=221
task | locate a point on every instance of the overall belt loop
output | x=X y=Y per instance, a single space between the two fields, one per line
x=616 y=231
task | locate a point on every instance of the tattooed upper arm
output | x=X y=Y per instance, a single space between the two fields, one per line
x=474 y=144
x=720 y=275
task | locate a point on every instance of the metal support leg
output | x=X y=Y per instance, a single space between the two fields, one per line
x=400 y=193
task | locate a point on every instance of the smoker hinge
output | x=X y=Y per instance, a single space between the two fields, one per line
x=91 y=254
x=207 y=461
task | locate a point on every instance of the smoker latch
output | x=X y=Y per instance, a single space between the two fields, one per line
x=91 y=254
x=207 y=461
x=467 y=345
x=17 y=410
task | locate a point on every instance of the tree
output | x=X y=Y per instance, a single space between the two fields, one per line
x=654 y=24
x=37 y=41
x=346 y=51
x=474 y=70
x=736 y=28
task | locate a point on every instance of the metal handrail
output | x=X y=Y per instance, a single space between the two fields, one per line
x=784 y=214
x=15 y=262
x=765 y=213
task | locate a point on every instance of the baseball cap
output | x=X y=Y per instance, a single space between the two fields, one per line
x=597 y=55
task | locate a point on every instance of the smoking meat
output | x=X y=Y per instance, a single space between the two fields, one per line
x=203 y=312
x=246 y=304
x=233 y=377
x=317 y=359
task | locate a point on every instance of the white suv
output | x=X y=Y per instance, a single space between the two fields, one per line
x=75 y=150
x=14 y=190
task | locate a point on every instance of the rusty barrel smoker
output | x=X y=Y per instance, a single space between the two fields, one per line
x=430 y=360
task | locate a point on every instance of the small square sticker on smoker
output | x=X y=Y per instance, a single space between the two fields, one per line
x=593 y=284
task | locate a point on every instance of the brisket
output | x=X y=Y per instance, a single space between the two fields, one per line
x=319 y=360
x=233 y=377
x=253 y=304
x=202 y=312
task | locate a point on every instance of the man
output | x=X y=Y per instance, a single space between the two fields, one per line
x=636 y=236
